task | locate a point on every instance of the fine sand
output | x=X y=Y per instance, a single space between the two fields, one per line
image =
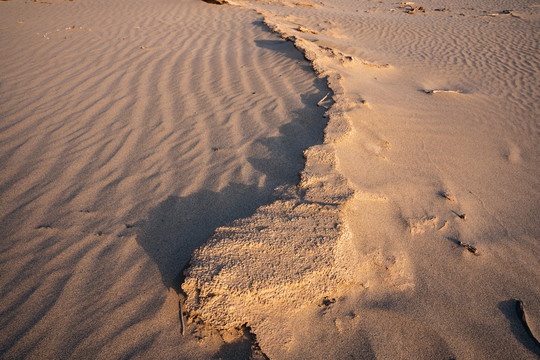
x=124 y=143
x=369 y=188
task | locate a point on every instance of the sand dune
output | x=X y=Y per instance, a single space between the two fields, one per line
x=139 y=136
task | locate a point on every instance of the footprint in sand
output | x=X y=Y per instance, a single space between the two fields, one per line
x=421 y=225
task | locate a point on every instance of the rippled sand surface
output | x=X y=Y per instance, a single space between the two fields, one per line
x=130 y=130
x=333 y=179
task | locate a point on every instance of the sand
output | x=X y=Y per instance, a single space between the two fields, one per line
x=151 y=153
x=125 y=142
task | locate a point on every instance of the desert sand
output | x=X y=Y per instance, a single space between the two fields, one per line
x=282 y=179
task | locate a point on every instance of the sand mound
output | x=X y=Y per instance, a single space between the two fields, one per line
x=287 y=255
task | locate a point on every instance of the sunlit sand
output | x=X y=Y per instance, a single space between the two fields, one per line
x=283 y=179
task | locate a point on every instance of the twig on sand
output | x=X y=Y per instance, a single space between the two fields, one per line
x=461 y=216
x=520 y=309
x=469 y=247
x=217 y=2
x=305 y=29
x=320 y=103
x=434 y=91
x=448 y=196
x=182 y=324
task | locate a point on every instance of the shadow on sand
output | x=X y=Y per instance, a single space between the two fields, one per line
x=509 y=309
x=179 y=225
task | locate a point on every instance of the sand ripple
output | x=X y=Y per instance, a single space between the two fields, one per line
x=129 y=132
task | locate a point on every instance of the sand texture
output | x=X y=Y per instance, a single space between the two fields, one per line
x=283 y=179
x=442 y=228
x=125 y=142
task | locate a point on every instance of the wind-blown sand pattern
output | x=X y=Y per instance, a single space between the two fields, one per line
x=125 y=142
x=139 y=136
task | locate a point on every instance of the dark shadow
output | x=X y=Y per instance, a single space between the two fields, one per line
x=239 y=349
x=244 y=347
x=214 y=2
x=286 y=48
x=260 y=24
x=461 y=216
x=509 y=309
x=286 y=160
x=179 y=225
x=283 y=47
x=454 y=240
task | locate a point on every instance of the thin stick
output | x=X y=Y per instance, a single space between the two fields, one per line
x=320 y=103
x=182 y=325
x=442 y=91
x=469 y=247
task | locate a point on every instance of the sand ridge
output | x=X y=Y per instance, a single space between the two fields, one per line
x=292 y=254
